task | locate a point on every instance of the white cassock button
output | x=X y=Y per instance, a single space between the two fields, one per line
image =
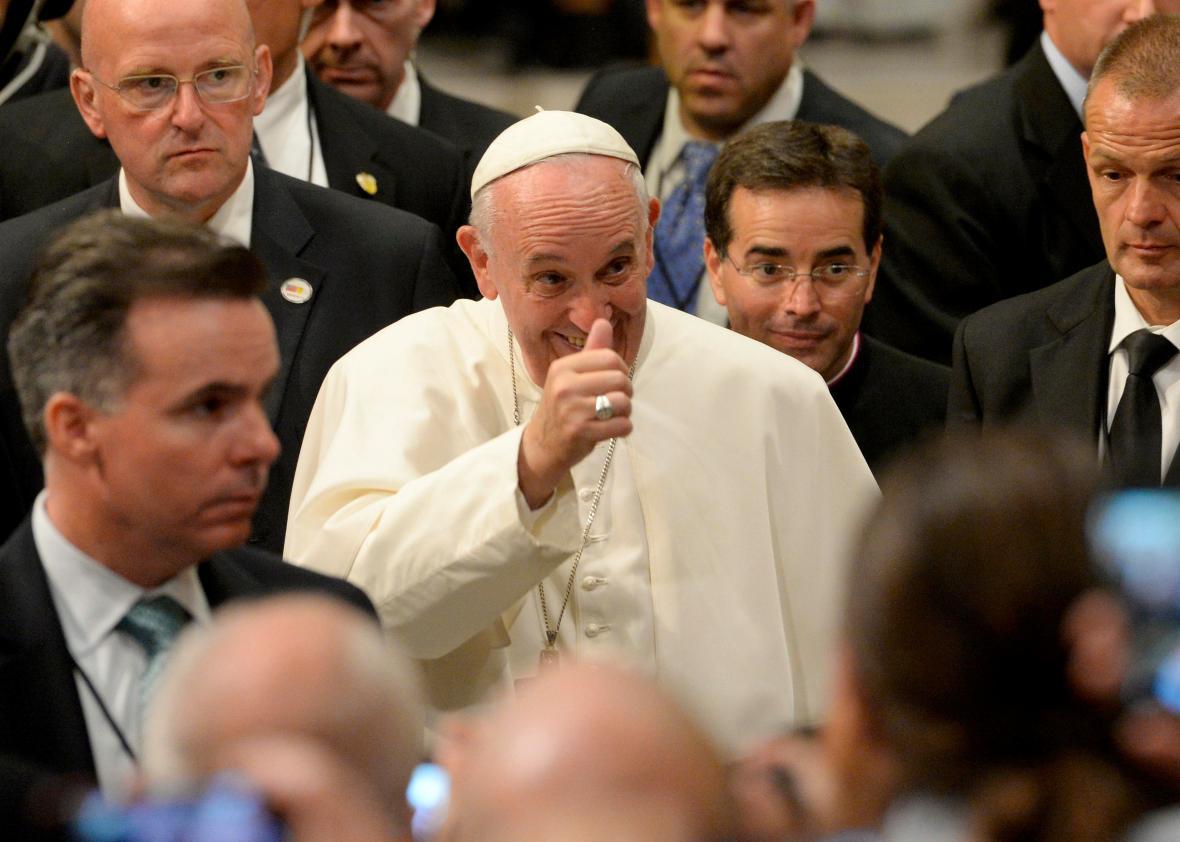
x=594 y=629
x=587 y=494
x=592 y=582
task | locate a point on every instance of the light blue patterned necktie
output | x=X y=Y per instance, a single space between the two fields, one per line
x=680 y=233
x=154 y=623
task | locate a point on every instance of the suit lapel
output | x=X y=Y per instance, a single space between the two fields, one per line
x=348 y=151
x=279 y=235
x=223 y=579
x=101 y=162
x=40 y=713
x=1051 y=127
x=1068 y=374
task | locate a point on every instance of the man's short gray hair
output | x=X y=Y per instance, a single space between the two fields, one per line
x=70 y=335
x=484 y=213
x=1143 y=61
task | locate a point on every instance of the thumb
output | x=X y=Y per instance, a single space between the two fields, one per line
x=601 y=335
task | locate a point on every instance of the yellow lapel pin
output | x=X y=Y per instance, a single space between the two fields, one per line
x=367 y=182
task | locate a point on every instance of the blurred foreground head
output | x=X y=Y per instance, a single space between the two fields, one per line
x=585 y=752
x=302 y=667
x=957 y=664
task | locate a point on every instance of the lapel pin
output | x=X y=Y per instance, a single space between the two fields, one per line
x=296 y=290
x=367 y=182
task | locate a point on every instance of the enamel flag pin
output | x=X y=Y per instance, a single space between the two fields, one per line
x=296 y=290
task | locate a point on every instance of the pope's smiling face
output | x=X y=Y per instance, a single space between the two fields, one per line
x=569 y=243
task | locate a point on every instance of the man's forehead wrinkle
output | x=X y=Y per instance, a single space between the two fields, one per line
x=554 y=219
x=1113 y=144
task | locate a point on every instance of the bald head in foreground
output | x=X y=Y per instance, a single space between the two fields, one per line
x=586 y=749
x=305 y=697
x=566 y=470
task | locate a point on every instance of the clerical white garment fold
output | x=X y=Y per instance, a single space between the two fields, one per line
x=748 y=484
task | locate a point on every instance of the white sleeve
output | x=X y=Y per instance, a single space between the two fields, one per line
x=394 y=493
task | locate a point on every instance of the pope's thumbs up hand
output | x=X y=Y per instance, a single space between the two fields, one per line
x=586 y=399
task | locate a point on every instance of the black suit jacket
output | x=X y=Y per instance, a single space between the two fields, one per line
x=41 y=718
x=632 y=99
x=988 y=201
x=468 y=125
x=50 y=154
x=43 y=66
x=1040 y=358
x=368 y=265
x=890 y=399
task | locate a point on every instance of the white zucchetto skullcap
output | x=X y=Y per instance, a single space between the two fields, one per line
x=543 y=135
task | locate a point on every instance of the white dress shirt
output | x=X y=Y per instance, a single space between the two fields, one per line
x=1072 y=82
x=1127 y=320
x=287 y=131
x=234 y=219
x=664 y=170
x=90 y=600
x=406 y=104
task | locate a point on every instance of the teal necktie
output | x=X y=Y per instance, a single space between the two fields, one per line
x=154 y=623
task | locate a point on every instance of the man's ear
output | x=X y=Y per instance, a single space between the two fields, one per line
x=655 y=13
x=874 y=265
x=85 y=91
x=69 y=427
x=649 y=240
x=802 y=20
x=264 y=70
x=424 y=14
x=713 y=260
x=468 y=239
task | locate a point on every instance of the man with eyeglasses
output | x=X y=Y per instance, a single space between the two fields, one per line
x=306 y=129
x=793 y=218
x=174 y=88
x=364 y=48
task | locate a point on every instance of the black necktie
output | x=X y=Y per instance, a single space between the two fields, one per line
x=1135 y=435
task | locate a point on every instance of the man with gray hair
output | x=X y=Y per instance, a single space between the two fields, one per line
x=565 y=469
x=1096 y=353
x=277 y=682
x=141 y=361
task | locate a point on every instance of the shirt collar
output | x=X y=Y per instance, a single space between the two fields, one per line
x=281 y=103
x=851 y=359
x=234 y=219
x=1128 y=319
x=1072 y=82
x=406 y=104
x=290 y=94
x=90 y=598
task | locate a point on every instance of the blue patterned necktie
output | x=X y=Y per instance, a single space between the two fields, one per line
x=154 y=623
x=680 y=233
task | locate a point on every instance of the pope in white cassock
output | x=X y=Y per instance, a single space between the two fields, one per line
x=568 y=470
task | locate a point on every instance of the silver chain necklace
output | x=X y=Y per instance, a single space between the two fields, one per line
x=549 y=654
